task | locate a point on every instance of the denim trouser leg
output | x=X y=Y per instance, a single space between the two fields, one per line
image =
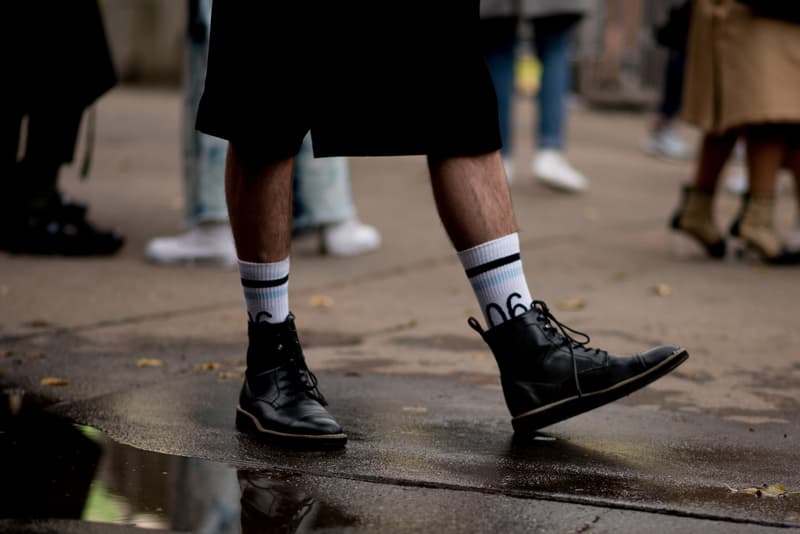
x=498 y=43
x=322 y=188
x=203 y=155
x=553 y=49
x=673 y=84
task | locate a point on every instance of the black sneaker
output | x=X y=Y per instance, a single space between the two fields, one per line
x=280 y=400
x=548 y=376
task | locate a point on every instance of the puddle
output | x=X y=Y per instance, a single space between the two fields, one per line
x=53 y=469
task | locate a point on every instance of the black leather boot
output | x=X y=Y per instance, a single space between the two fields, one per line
x=548 y=376
x=280 y=400
x=58 y=227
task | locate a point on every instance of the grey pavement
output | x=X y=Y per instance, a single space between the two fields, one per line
x=430 y=442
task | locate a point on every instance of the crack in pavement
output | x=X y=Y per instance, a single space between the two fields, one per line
x=599 y=502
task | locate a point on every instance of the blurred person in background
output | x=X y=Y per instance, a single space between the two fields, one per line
x=664 y=139
x=553 y=24
x=58 y=64
x=743 y=71
x=323 y=200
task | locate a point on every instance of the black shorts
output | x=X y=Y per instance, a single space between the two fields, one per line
x=364 y=78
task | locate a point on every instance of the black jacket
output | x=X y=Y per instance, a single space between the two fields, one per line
x=58 y=55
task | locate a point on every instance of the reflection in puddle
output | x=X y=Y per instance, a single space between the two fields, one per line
x=54 y=469
x=271 y=499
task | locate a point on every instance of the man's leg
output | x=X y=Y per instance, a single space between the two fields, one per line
x=547 y=375
x=279 y=399
x=259 y=196
x=472 y=198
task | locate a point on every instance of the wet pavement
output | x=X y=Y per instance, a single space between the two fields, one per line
x=405 y=469
x=148 y=361
x=418 y=446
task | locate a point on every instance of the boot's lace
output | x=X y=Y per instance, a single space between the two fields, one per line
x=304 y=381
x=307 y=380
x=547 y=318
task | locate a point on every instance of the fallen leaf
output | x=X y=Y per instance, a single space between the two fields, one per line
x=37 y=323
x=572 y=304
x=415 y=409
x=620 y=277
x=211 y=366
x=53 y=381
x=590 y=214
x=321 y=301
x=227 y=375
x=662 y=290
x=400 y=327
x=773 y=490
x=149 y=362
x=8 y=353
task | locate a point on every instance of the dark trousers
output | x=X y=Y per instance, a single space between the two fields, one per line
x=50 y=142
x=672 y=92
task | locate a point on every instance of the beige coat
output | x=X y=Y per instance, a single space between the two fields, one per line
x=741 y=69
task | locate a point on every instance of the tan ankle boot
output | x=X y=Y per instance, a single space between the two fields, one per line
x=757 y=227
x=695 y=217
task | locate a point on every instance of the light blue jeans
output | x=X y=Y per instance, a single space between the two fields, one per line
x=203 y=155
x=322 y=186
x=322 y=192
x=553 y=45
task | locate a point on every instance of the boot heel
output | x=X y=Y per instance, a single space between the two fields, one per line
x=244 y=423
x=744 y=252
x=684 y=247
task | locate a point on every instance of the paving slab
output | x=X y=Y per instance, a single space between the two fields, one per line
x=449 y=434
x=153 y=355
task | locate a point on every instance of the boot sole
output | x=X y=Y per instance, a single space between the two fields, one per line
x=248 y=423
x=531 y=421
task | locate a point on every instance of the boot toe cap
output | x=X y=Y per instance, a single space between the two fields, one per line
x=655 y=356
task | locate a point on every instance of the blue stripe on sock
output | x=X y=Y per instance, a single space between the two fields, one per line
x=498 y=278
x=271 y=294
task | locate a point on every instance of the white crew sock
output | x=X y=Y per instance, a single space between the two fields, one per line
x=266 y=290
x=495 y=271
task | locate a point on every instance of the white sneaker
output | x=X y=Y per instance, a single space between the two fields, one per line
x=205 y=243
x=736 y=182
x=667 y=143
x=552 y=169
x=350 y=238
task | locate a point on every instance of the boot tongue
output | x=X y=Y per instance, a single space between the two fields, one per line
x=271 y=345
